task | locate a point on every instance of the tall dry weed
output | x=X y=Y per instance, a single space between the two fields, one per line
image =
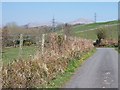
x=40 y=70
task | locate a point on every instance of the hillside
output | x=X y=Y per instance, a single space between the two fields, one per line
x=89 y=31
x=93 y=25
x=81 y=21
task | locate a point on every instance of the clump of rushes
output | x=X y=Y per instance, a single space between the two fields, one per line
x=40 y=70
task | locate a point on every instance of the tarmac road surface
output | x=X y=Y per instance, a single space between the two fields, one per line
x=99 y=71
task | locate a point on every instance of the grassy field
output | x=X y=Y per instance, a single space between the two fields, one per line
x=12 y=53
x=92 y=26
x=111 y=30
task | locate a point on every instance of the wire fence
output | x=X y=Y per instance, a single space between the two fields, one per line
x=22 y=46
x=25 y=44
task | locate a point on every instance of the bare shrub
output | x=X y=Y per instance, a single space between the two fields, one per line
x=40 y=70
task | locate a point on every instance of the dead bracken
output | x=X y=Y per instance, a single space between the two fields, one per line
x=42 y=68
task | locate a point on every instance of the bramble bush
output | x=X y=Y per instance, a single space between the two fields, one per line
x=41 y=69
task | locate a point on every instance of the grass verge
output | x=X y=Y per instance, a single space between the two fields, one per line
x=72 y=67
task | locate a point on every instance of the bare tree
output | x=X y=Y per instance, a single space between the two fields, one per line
x=5 y=36
x=101 y=34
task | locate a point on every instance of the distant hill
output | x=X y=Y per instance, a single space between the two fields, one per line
x=49 y=24
x=89 y=30
x=81 y=21
x=29 y=25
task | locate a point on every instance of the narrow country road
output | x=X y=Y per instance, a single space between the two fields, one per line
x=99 y=71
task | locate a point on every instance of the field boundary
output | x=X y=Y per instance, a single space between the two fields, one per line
x=72 y=68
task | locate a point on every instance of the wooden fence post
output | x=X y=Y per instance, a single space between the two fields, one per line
x=43 y=41
x=20 y=45
x=65 y=37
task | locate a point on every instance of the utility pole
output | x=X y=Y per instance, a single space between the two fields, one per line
x=53 y=24
x=95 y=16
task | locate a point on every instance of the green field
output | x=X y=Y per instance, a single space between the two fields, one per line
x=111 y=30
x=112 y=33
x=92 y=26
x=9 y=54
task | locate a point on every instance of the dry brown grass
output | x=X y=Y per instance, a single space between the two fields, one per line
x=41 y=69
